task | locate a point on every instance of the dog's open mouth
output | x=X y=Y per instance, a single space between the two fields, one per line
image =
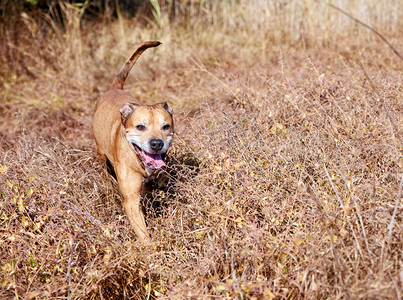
x=150 y=161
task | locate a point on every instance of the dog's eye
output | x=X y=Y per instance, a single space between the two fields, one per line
x=166 y=127
x=140 y=127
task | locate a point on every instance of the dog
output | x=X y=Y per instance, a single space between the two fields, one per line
x=134 y=138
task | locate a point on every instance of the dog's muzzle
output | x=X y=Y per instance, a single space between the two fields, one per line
x=156 y=145
x=151 y=161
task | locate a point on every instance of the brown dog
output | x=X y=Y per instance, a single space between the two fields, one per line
x=133 y=137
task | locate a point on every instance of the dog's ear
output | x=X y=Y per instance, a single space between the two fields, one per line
x=126 y=111
x=166 y=107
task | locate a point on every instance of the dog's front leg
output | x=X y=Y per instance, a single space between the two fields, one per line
x=130 y=185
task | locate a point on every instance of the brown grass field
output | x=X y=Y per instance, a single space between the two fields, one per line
x=284 y=180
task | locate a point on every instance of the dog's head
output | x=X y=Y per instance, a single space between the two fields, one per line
x=149 y=130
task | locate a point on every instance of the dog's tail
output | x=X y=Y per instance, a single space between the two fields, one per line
x=124 y=71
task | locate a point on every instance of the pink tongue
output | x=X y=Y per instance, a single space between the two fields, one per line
x=152 y=161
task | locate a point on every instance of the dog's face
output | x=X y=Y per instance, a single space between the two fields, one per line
x=149 y=130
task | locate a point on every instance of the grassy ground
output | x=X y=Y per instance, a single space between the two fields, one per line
x=284 y=180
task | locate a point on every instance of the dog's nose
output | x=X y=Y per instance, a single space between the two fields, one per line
x=156 y=145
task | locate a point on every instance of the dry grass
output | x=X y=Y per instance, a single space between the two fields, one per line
x=284 y=180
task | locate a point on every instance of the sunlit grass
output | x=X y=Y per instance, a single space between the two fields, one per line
x=283 y=181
